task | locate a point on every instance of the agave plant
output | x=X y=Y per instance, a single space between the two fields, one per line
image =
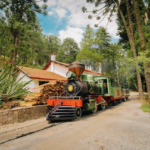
x=10 y=85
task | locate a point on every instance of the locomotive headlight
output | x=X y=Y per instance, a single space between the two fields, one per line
x=70 y=88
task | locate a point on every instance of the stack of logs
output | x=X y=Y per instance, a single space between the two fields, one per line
x=49 y=90
x=46 y=91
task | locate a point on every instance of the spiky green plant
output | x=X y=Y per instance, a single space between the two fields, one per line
x=10 y=85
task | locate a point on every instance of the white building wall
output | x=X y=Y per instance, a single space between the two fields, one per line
x=32 y=84
x=50 y=67
x=59 y=69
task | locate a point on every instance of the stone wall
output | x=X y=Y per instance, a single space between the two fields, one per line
x=21 y=114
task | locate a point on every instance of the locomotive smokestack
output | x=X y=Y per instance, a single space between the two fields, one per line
x=77 y=68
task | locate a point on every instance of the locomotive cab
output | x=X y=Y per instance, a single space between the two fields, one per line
x=109 y=86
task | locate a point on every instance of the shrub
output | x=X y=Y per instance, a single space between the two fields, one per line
x=10 y=85
x=145 y=106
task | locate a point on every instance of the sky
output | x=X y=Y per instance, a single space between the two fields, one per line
x=66 y=19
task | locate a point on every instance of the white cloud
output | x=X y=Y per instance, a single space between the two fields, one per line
x=49 y=3
x=77 y=18
x=75 y=33
x=112 y=29
x=71 y=5
x=50 y=13
x=60 y=12
x=80 y=19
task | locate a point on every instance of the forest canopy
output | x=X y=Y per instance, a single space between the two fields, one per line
x=22 y=41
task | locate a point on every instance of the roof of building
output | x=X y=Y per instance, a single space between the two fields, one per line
x=41 y=74
x=57 y=62
x=86 y=71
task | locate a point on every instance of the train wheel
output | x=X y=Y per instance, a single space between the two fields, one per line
x=78 y=112
x=123 y=100
x=95 y=109
x=127 y=98
x=120 y=100
x=102 y=107
x=114 y=102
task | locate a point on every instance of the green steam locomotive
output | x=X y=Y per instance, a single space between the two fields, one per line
x=85 y=93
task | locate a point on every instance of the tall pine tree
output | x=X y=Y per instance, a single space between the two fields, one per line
x=20 y=15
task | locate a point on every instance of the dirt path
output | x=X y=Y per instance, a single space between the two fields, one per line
x=121 y=127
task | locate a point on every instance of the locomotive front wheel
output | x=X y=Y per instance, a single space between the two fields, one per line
x=78 y=112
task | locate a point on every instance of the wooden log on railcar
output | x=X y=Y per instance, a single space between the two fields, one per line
x=47 y=90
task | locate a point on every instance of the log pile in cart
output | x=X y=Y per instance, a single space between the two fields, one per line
x=46 y=90
x=51 y=90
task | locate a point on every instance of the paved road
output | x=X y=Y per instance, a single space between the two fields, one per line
x=122 y=127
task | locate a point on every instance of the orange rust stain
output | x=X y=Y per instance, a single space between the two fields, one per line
x=118 y=92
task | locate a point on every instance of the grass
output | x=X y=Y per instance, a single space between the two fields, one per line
x=146 y=95
x=146 y=106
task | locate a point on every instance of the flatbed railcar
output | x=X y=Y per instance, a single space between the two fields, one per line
x=85 y=93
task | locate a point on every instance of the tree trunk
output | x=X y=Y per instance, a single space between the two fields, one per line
x=15 y=51
x=102 y=68
x=141 y=96
x=0 y=54
x=147 y=78
x=21 y=59
x=10 y=57
x=139 y=24
x=132 y=43
x=114 y=67
x=142 y=43
x=124 y=22
x=15 y=57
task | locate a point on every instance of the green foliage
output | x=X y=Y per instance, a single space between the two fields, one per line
x=97 y=51
x=88 y=37
x=113 y=58
x=33 y=49
x=10 y=86
x=84 y=9
x=109 y=8
x=121 y=28
x=144 y=56
x=53 y=44
x=68 y=52
x=131 y=78
x=90 y=16
x=20 y=17
x=88 y=53
x=102 y=41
